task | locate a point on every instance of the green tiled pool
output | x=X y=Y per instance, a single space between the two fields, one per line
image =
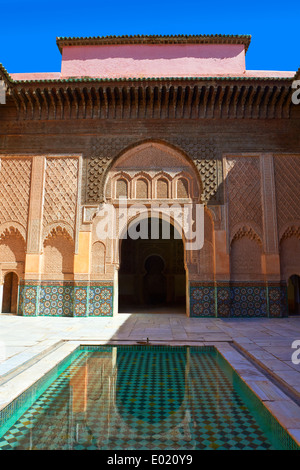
x=141 y=398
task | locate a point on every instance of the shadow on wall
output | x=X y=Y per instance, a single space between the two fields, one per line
x=294 y=295
x=10 y=293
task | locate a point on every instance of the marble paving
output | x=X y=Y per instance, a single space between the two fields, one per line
x=267 y=341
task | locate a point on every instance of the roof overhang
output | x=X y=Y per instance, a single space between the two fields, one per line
x=154 y=39
x=188 y=98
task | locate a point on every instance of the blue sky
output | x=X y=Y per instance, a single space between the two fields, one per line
x=29 y=28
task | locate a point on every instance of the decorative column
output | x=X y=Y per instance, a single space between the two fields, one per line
x=82 y=273
x=98 y=285
x=1 y=295
x=222 y=269
x=28 y=300
x=35 y=218
x=271 y=259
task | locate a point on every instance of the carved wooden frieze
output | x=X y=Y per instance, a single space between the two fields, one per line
x=254 y=98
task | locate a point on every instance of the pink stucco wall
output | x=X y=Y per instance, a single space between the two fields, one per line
x=134 y=61
x=269 y=73
x=165 y=60
x=36 y=76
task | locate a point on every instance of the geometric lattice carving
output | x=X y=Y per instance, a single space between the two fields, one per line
x=287 y=183
x=60 y=191
x=15 y=176
x=197 y=149
x=243 y=191
x=204 y=153
x=208 y=173
x=103 y=149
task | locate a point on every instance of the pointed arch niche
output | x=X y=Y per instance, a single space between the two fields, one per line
x=246 y=255
x=58 y=254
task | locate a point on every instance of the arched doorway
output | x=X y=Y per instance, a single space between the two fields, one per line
x=152 y=274
x=294 y=295
x=10 y=293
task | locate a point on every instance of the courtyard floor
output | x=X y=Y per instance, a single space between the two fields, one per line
x=267 y=343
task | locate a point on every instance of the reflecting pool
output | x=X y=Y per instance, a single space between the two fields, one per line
x=141 y=398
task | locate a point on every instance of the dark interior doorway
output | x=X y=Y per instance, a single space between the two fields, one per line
x=294 y=295
x=155 y=281
x=152 y=274
x=10 y=293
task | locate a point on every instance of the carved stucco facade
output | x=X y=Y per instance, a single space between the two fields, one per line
x=251 y=227
x=65 y=152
